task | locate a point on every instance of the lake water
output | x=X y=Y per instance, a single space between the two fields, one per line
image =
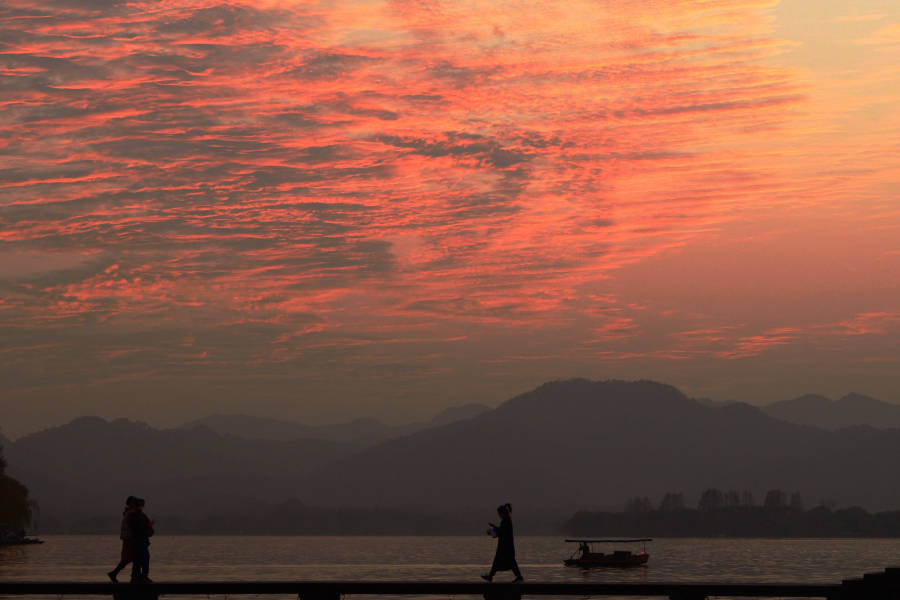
x=224 y=558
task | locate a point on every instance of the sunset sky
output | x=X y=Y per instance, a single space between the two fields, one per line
x=322 y=210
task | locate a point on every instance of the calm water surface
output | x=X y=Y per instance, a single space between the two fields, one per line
x=223 y=558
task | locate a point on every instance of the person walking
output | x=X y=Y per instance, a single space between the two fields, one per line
x=141 y=528
x=505 y=557
x=127 y=554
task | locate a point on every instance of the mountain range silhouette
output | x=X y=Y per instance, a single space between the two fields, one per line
x=566 y=445
x=359 y=432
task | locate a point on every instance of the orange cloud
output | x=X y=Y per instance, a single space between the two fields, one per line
x=368 y=176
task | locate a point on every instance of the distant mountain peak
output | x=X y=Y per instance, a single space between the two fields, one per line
x=458 y=413
x=851 y=410
x=87 y=420
x=576 y=383
x=580 y=390
x=806 y=400
x=855 y=398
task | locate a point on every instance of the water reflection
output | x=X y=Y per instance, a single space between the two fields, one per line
x=231 y=558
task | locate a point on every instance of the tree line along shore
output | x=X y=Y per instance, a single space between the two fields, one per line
x=735 y=514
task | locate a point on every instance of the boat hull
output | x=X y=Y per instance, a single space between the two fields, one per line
x=608 y=560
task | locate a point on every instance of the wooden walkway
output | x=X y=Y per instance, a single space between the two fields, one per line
x=500 y=591
x=874 y=586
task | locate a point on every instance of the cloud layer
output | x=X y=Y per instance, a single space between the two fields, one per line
x=371 y=199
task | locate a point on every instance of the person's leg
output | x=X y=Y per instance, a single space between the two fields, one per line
x=139 y=565
x=125 y=557
x=115 y=572
x=122 y=564
x=516 y=571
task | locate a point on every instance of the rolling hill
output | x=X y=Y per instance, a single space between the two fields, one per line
x=848 y=411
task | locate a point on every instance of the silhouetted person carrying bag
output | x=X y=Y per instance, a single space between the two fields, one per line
x=505 y=557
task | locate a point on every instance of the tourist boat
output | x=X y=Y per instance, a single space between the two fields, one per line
x=586 y=558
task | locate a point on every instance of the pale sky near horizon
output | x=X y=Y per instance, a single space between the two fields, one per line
x=322 y=210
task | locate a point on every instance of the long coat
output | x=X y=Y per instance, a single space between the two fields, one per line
x=125 y=534
x=505 y=557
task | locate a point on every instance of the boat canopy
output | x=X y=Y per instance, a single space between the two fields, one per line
x=609 y=541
